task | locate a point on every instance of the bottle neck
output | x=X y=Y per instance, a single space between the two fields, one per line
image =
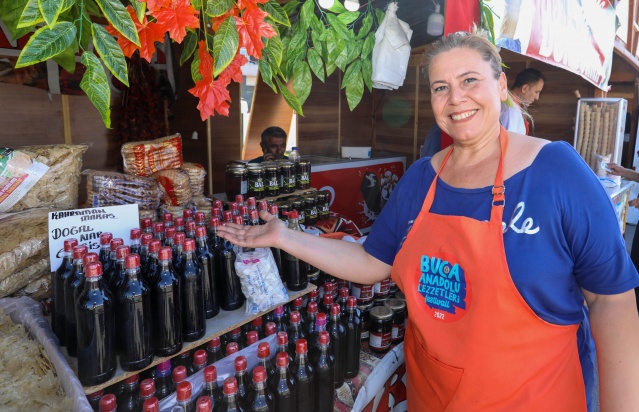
x=301 y=358
x=259 y=386
x=211 y=385
x=201 y=241
x=133 y=273
x=188 y=255
x=165 y=264
x=93 y=282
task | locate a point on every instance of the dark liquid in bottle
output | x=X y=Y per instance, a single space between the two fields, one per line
x=283 y=387
x=206 y=260
x=294 y=273
x=70 y=284
x=166 y=303
x=325 y=373
x=306 y=386
x=352 y=343
x=193 y=312
x=231 y=296
x=59 y=319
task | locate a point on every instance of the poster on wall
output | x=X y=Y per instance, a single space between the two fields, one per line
x=577 y=35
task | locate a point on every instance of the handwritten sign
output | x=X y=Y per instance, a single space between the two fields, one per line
x=86 y=225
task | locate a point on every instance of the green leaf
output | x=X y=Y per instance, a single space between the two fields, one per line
x=225 y=45
x=349 y=75
x=140 y=9
x=316 y=63
x=367 y=73
x=267 y=74
x=302 y=81
x=291 y=63
x=319 y=45
x=119 y=18
x=96 y=86
x=46 y=43
x=330 y=68
x=307 y=13
x=273 y=50
x=291 y=7
x=338 y=8
x=111 y=53
x=197 y=4
x=50 y=10
x=216 y=8
x=190 y=44
x=354 y=90
x=289 y=97
x=10 y=12
x=354 y=50
x=297 y=43
x=368 y=46
x=348 y=17
x=338 y=52
x=317 y=25
x=367 y=23
x=195 y=68
x=380 y=16
x=83 y=27
x=66 y=59
x=67 y=4
x=92 y=8
x=276 y=13
x=30 y=15
x=339 y=27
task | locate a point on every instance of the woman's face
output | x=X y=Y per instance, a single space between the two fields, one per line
x=465 y=96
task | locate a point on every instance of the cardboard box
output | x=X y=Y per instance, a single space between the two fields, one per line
x=356 y=152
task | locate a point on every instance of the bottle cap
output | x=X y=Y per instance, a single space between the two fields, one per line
x=89 y=258
x=230 y=385
x=231 y=348
x=214 y=222
x=313 y=293
x=343 y=293
x=200 y=231
x=132 y=379
x=244 y=210
x=351 y=302
x=257 y=321
x=282 y=338
x=200 y=217
x=122 y=252
x=216 y=212
x=189 y=245
x=204 y=404
x=108 y=403
x=199 y=357
x=79 y=251
x=179 y=373
x=238 y=220
x=240 y=364
x=167 y=217
x=155 y=245
x=279 y=310
x=135 y=233
x=93 y=270
x=190 y=226
x=328 y=300
x=114 y=243
x=311 y=307
x=251 y=202
x=179 y=221
x=184 y=391
x=132 y=261
x=320 y=320
x=210 y=373
x=69 y=244
x=105 y=238
x=179 y=238
x=263 y=350
x=147 y=387
x=164 y=366
x=270 y=328
x=282 y=359
x=169 y=232
x=293 y=214
x=146 y=222
x=239 y=199
x=215 y=342
x=218 y=204
x=146 y=238
x=324 y=338
x=335 y=309
x=236 y=331
x=294 y=317
x=251 y=337
x=165 y=253
x=228 y=216
x=301 y=346
x=187 y=214
x=158 y=227
x=298 y=302
x=263 y=205
x=274 y=210
x=151 y=405
x=294 y=148
x=259 y=374
x=253 y=214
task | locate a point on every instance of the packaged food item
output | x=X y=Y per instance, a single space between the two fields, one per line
x=175 y=187
x=197 y=173
x=19 y=171
x=151 y=214
x=112 y=189
x=151 y=156
x=260 y=280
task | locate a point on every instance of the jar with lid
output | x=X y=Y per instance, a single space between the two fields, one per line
x=286 y=174
x=398 y=307
x=380 y=329
x=381 y=289
x=236 y=180
x=272 y=183
x=363 y=293
x=322 y=205
x=303 y=175
x=255 y=181
x=310 y=208
x=298 y=204
x=365 y=313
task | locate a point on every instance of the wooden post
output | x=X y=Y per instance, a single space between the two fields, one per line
x=66 y=119
x=209 y=156
x=339 y=116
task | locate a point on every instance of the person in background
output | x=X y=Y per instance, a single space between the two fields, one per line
x=496 y=243
x=273 y=145
x=525 y=90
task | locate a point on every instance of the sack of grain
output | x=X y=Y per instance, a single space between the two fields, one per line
x=112 y=189
x=197 y=173
x=175 y=187
x=151 y=156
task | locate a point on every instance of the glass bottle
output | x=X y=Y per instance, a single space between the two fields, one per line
x=270 y=329
x=105 y=249
x=199 y=361
x=327 y=303
x=169 y=238
x=282 y=347
x=204 y=404
x=304 y=374
x=231 y=348
x=342 y=300
x=214 y=350
x=94 y=399
x=150 y=271
x=146 y=224
x=353 y=328
x=311 y=314
x=206 y=260
x=277 y=253
x=232 y=402
x=298 y=306
x=193 y=311
x=295 y=332
x=151 y=405
x=230 y=288
x=200 y=219
x=187 y=214
x=294 y=274
x=241 y=365
x=258 y=326
x=244 y=212
x=128 y=401
x=211 y=388
x=145 y=239
x=278 y=319
x=184 y=398
x=118 y=270
x=283 y=385
x=251 y=338
x=70 y=283
x=264 y=358
x=166 y=303
x=108 y=403
x=95 y=319
x=158 y=231
x=114 y=244
x=86 y=259
x=135 y=244
x=58 y=323
x=178 y=221
x=338 y=339
x=163 y=380
x=254 y=218
x=260 y=398
x=147 y=390
x=320 y=326
x=178 y=249
x=325 y=371
x=179 y=375
x=190 y=227
x=167 y=219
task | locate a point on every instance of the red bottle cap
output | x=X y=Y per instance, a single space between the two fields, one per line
x=90 y=258
x=79 y=251
x=151 y=405
x=115 y=243
x=155 y=245
x=236 y=331
x=187 y=214
x=251 y=202
x=282 y=359
x=328 y=300
x=351 y=302
x=335 y=309
x=294 y=317
x=135 y=233
x=190 y=226
x=320 y=320
x=132 y=379
x=146 y=238
x=263 y=205
x=244 y=210
x=122 y=252
x=311 y=307
x=324 y=338
x=257 y=321
x=132 y=261
x=179 y=238
x=165 y=253
x=313 y=293
x=108 y=403
x=183 y=391
x=146 y=223
x=228 y=216
x=158 y=227
x=279 y=310
x=199 y=357
x=230 y=385
x=239 y=199
x=234 y=207
x=298 y=302
x=105 y=238
x=293 y=214
x=96 y=395
x=169 y=232
x=301 y=346
x=251 y=337
x=282 y=338
x=253 y=214
x=179 y=221
x=147 y=387
x=231 y=348
x=215 y=342
x=200 y=231
x=189 y=245
x=270 y=328
x=238 y=220
x=343 y=293
x=200 y=217
x=214 y=221
x=94 y=270
x=167 y=217
x=69 y=244
x=240 y=364
x=210 y=373
x=204 y=404
x=259 y=374
x=263 y=350
x=179 y=374
x=274 y=210
x=217 y=203
x=216 y=212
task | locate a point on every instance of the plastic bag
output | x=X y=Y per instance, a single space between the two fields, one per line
x=112 y=189
x=197 y=173
x=391 y=51
x=19 y=171
x=175 y=187
x=151 y=156
x=260 y=279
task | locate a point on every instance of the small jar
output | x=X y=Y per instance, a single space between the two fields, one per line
x=365 y=315
x=298 y=204
x=393 y=288
x=272 y=182
x=381 y=289
x=310 y=209
x=303 y=175
x=236 y=180
x=381 y=329
x=379 y=301
x=322 y=205
x=255 y=181
x=286 y=173
x=398 y=307
x=363 y=293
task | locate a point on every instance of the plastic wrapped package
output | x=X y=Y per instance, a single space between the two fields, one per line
x=197 y=173
x=202 y=204
x=151 y=156
x=24 y=249
x=19 y=172
x=28 y=313
x=112 y=189
x=174 y=210
x=175 y=187
x=260 y=279
x=37 y=289
x=58 y=187
x=152 y=214
x=392 y=51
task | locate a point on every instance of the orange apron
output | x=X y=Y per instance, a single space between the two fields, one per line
x=472 y=343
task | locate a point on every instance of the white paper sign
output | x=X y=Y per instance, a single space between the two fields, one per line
x=86 y=225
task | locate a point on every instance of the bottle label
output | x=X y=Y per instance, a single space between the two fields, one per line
x=243 y=187
x=362 y=292
x=291 y=182
x=397 y=332
x=381 y=289
x=256 y=185
x=303 y=178
x=273 y=184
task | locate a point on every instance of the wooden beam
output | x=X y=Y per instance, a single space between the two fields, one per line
x=66 y=119
x=209 y=156
x=621 y=51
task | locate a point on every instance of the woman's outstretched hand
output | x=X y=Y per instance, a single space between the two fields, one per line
x=266 y=235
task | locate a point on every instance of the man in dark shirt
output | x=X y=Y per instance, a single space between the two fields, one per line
x=273 y=145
